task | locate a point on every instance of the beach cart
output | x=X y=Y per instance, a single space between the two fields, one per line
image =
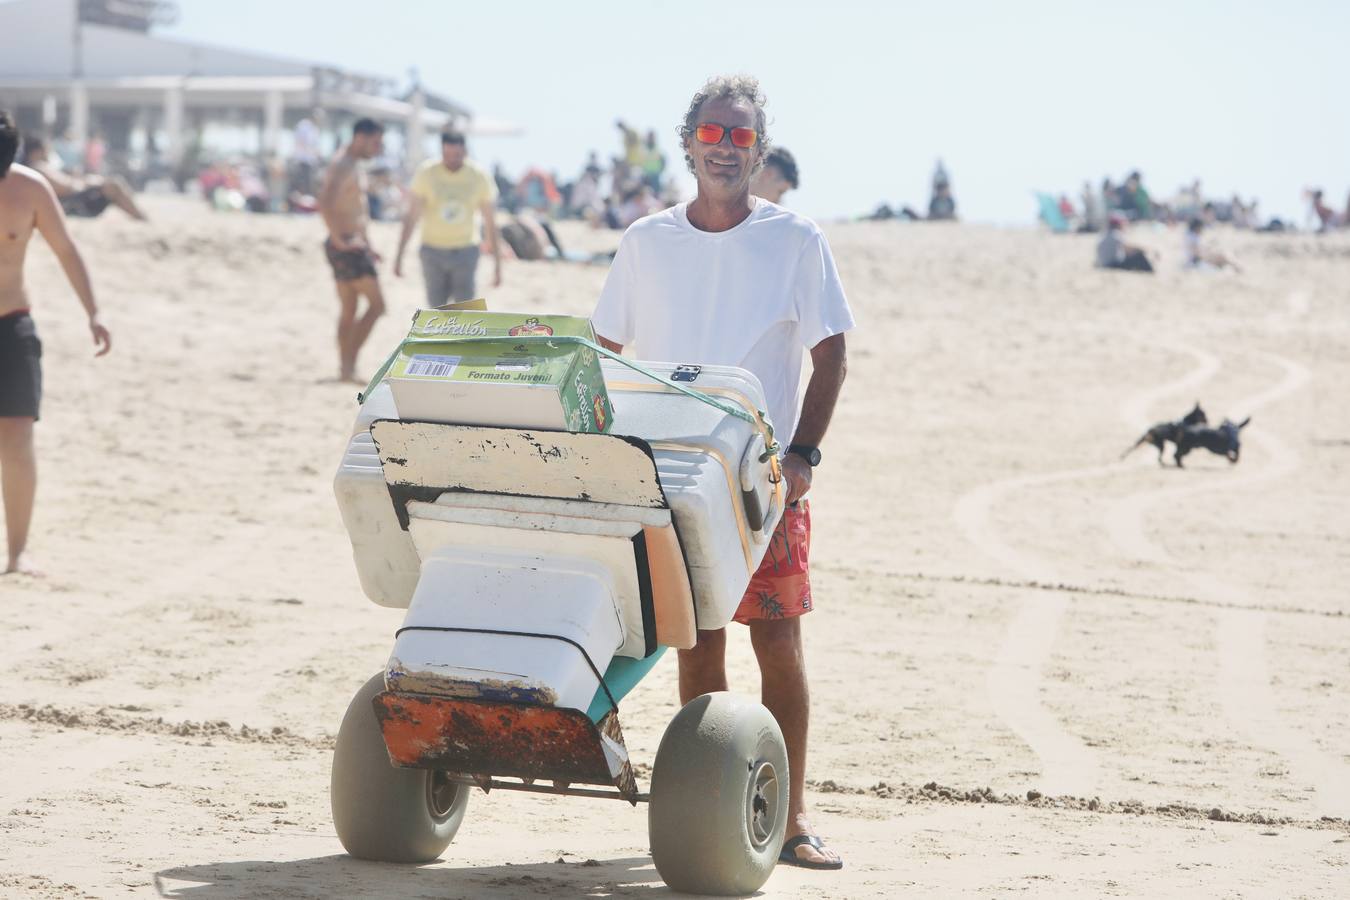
x=544 y=572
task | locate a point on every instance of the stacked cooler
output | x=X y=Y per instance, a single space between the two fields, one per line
x=471 y=567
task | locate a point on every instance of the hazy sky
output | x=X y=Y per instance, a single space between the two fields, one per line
x=1014 y=96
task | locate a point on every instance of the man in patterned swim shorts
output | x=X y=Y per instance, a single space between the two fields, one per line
x=345 y=209
x=732 y=279
x=781 y=588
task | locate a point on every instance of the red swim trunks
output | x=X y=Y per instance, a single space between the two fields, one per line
x=781 y=588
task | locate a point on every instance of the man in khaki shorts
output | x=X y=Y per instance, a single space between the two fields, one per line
x=454 y=200
x=27 y=203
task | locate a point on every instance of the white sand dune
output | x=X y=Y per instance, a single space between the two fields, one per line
x=1035 y=668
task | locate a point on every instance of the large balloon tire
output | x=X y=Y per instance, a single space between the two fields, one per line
x=719 y=797
x=383 y=812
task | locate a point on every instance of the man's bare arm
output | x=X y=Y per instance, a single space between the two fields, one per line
x=410 y=219
x=608 y=344
x=51 y=224
x=829 y=366
x=494 y=240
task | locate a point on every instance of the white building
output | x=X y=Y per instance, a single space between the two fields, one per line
x=86 y=66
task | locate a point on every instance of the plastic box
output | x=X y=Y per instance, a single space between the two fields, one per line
x=461 y=588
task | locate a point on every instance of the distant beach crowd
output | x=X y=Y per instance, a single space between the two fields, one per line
x=1132 y=201
x=608 y=192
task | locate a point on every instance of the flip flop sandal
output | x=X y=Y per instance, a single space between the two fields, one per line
x=789 y=853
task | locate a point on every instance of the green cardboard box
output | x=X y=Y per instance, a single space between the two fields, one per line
x=504 y=381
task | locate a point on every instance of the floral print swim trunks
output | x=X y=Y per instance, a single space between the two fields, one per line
x=781 y=588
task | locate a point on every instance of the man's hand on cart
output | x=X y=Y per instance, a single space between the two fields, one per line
x=798 y=474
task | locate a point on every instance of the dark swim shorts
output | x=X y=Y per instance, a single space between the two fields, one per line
x=349 y=265
x=85 y=204
x=20 y=366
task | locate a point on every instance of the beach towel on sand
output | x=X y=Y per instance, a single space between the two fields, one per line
x=1051 y=215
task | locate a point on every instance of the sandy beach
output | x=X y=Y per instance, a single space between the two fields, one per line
x=1035 y=668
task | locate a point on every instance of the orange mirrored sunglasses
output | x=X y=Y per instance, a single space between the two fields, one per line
x=710 y=133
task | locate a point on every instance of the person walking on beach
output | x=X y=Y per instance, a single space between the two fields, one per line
x=27 y=203
x=344 y=205
x=776 y=177
x=729 y=279
x=455 y=201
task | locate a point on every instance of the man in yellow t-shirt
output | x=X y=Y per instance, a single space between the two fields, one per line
x=448 y=197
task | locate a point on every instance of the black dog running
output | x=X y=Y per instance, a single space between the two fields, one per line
x=1226 y=440
x=1163 y=432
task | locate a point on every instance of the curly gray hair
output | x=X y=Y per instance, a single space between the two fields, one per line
x=734 y=86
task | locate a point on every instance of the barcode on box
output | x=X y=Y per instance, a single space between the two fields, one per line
x=432 y=366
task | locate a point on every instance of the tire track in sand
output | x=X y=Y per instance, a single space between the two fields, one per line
x=1014 y=679
x=1244 y=684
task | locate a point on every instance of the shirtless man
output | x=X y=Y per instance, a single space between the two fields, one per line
x=27 y=202
x=345 y=210
x=82 y=197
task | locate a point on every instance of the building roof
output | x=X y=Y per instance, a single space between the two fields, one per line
x=37 y=48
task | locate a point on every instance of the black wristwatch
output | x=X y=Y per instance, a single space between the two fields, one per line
x=806 y=452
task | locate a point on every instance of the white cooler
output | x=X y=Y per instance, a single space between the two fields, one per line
x=386 y=561
x=567 y=598
x=707 y=461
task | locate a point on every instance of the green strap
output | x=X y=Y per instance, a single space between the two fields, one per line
x=771 y=446
x=379 y=375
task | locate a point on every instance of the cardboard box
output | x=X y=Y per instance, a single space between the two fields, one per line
x=477 y=303
x=505 y=382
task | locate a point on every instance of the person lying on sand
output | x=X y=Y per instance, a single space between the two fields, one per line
x=532 y=239
x=84 y=198
x=27 y=203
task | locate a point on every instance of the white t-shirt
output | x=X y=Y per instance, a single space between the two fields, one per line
x=755 y=296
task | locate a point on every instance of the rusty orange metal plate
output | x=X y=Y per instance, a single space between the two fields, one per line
x=482 y=737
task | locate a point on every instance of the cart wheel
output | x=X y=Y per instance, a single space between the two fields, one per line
x=719 y=797
x=383 y=812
